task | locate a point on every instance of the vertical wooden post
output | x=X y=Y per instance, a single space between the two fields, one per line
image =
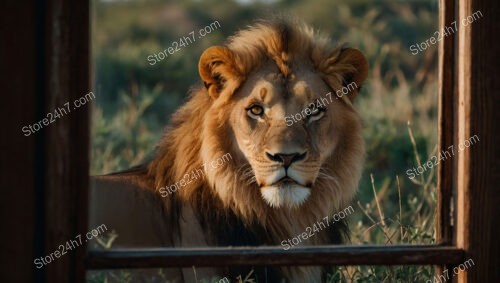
x=45 y=55
x=445 y=123
x=18 y=181
x=67 y=75
x=478 y=167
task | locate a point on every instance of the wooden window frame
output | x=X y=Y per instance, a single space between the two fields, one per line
x=56 y=179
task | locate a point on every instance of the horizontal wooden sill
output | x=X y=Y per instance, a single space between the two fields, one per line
x=314 y=255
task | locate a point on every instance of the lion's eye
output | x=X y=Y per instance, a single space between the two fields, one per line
x=255 y=111
x=316 y=114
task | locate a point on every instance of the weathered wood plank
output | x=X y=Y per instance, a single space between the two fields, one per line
x=478 y=167
x=319 y=255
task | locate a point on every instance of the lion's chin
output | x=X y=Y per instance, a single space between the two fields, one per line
x=285 y=194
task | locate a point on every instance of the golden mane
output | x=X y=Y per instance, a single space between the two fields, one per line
x=288 y=42
x=196 y=136
x=199 y=133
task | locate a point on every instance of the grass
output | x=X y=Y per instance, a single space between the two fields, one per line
x=412 y=223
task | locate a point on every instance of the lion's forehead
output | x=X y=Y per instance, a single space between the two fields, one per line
x=285 y=99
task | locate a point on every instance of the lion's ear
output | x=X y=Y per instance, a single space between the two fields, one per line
x=351 y=65
x=218 y=70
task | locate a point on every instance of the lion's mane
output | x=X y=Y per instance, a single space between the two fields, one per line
x=230 y=210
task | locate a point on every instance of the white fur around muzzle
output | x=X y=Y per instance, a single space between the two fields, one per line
x=286 y=194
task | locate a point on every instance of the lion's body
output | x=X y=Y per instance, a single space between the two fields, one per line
x=243 y=201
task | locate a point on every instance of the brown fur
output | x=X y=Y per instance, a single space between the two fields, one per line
x=223 y=207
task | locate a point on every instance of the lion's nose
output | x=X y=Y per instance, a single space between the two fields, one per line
x=286 y=158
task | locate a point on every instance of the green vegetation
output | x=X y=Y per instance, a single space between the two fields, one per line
x=135 y=100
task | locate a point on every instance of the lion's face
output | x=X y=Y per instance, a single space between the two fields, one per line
x=294 y=138
x=286 y=128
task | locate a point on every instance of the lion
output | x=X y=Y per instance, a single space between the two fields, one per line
x=276 y=180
